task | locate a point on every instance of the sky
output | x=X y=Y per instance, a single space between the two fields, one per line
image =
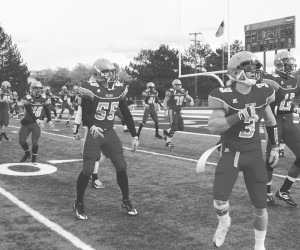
x=63 y=33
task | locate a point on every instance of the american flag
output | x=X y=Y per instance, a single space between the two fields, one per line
x=220 y=30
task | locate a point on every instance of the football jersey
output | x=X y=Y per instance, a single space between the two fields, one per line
x=64 y=96
x=285 y=91
x=177 y=97
x=244 y=135
x=151 y=97
x=5 y=97
x=105 y=101
x=36 y=104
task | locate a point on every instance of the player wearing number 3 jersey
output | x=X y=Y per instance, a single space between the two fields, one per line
x=237 y=111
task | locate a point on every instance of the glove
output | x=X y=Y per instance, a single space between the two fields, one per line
x=274 y=156
x=75 y=132
x=96 y=131
x=40 y=123
x=246 y=113
x=51 y=125
x=296 y=110
x=166 y=113
x=192 y=104
x=134 y=143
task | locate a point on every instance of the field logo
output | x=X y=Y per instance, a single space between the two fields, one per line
x=43 y=169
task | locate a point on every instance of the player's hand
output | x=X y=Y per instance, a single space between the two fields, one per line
x=246 y=113
x=134 y=143
x=274 y=156
x=192 y=104
x=40 y=123
x=166 y=113
x=51 y=125
x=96 y=131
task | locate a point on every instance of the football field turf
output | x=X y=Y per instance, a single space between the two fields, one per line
x=174 y=203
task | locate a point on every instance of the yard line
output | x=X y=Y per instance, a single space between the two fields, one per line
x=42 y=219
x=171 y=156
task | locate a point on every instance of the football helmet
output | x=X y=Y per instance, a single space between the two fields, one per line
x=64 y=88
x=36 y=88
x=285 y=62
x=75 y=88
x=47 y=89
x=104 y=71
x=244 y=67
x=5 y=85
x=150 y=85
x=15 y=94
x=176 y=84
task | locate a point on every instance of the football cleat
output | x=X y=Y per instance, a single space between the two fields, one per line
x=285 y=196
x=169 y=145
x=270 y=201
x=26 y=157
x=126 y=130
x=96 y=184
x=126 y=204
x=158 y=136
x=34 y=162
x=221 y=232
x=79 y=211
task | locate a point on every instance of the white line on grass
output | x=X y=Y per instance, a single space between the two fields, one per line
x=42 y=219
x=154 y=153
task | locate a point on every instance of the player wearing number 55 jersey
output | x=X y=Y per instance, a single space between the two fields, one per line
x=285 y=86
x=237 y=111
x=34 y=104
x=174 y=99
x=101 y=96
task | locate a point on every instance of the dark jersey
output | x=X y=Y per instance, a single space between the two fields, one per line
x=104 y=102
x=5 y=98
x=244 y=135
x=151 y=97
x=64 y=96
x=36 y=104
x=177 y=97
x=285 y=91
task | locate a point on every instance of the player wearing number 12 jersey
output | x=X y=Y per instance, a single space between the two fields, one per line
x=101 y=96
x=285 y=86
x=237 y=111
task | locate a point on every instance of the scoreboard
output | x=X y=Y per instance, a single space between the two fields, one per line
x=270 y=35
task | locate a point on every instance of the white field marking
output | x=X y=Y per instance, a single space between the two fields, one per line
x=54 y=129
x=15 y=132
x=63 y=161
x=42 y=219
x=154 y=153
x=43 y=169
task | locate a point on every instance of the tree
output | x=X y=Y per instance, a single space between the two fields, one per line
x=62 y=77
x=12 y=68
x=80 y=74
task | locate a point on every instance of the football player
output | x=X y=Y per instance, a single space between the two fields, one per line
x=74 y=95
x=101 y=97
x=173 y=103
x=66 y=104
x=32 y=123
x=151 y=98
x=285 y=86
x=5 y=101
x=237 y=111
x=53 y=99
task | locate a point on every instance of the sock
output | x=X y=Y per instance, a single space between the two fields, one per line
x=82 y=183
x=140 y=128
x=269 y=187
x=94 y=177
x=122 y=180
x=286 y=185
x=26 y=148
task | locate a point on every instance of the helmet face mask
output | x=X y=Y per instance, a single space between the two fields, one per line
x=244 y=67
x=104 y=71
x=150 y=86
x=285 y=62
x=36 y=88
x=176 y=84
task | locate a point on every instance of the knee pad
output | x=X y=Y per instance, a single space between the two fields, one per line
x=297 y=162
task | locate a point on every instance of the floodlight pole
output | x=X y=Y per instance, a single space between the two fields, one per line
x=195 y=41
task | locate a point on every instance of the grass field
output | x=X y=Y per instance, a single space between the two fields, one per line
x=174 y=203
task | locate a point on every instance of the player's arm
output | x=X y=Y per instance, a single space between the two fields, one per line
x=165 y=102
x=188 y=97
x=86 y=106
x=128 y=119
